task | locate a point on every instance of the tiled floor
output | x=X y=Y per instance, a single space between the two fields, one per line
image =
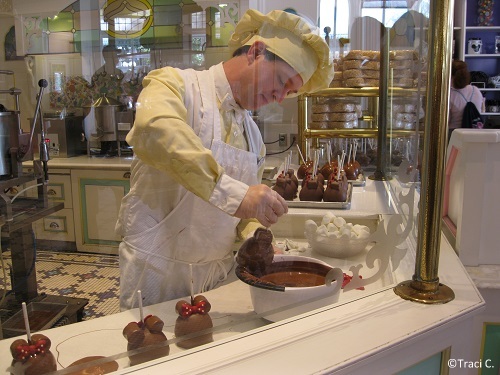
x=91 y=276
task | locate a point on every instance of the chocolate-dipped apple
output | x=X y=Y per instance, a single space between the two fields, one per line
x=286 y=187
x=312 y=189
x=143 y=334
x=193 y=317
x=336 y=188
x=33 y=357
x=305 y=169
x=257 y=252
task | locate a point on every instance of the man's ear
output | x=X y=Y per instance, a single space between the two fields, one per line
x=256 y=49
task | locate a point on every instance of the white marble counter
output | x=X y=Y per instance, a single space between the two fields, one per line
x=380 y=333
x=485 y=276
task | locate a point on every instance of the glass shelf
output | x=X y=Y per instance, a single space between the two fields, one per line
x=482 y=55
x=482 y=28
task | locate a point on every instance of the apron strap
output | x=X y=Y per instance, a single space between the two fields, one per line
x=211 y=117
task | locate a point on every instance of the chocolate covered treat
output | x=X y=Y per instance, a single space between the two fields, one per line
x=32 y=358
x=372 y=154
x=351 y=171
x=280 y=185
x=319 y=177
x=329 y=168
x=291 y=174
x=257 y=253
x=193 y=317
x=305 y=169
x=357 y=167
x=286 y=187
x=99 y=369
x=396 y=158
x=363 y=159
x=312 y=189
x=142 y=334
x=336 y=189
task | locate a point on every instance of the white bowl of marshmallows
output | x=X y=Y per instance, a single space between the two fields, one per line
x=335 y=237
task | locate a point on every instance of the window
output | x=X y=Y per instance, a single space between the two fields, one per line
x=198 y=20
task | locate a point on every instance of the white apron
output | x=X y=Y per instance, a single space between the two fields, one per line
x=194 y=235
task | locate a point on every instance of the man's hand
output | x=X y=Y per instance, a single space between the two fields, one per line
x=263 y=204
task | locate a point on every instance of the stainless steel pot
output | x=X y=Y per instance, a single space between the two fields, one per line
x=100 y=119
x=9 y=139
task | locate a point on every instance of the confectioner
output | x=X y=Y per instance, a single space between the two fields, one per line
x=286 y=187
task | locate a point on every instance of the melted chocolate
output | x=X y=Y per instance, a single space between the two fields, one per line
x=294 y=279
x=38 y=319
x=288 y=274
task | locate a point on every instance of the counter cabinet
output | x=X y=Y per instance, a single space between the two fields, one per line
x=91 y=190
x=97 y=196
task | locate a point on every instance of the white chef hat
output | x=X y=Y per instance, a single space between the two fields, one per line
x=292 y=39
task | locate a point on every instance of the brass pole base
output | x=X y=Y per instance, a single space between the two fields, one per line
x=443 y=293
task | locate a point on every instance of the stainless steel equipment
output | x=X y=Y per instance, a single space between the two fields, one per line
x=17 y=212
x=9 y=136
x=64 y=136
x=106 y=121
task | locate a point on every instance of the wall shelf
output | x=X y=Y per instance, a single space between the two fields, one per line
x=482 y=55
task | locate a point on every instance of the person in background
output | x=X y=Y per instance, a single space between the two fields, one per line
x=199 y=158
x=460 y=89
x=110 y=55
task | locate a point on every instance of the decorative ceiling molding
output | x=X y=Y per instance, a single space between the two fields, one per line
x=42 y=8
x=6 y=7
x=228 y=13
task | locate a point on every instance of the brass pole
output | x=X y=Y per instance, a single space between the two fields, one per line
x=302 y=125
x=380 y=171
x=425 y=286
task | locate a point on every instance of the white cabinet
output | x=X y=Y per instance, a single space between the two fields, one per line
x=97 y=196
x=59 y=226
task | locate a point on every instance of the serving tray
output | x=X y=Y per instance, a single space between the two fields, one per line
x=360 y=181
x=297 y=203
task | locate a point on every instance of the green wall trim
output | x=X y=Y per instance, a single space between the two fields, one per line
x=125 y=184
x=490 y=349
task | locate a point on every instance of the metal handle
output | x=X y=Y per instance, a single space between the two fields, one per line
x=42 y=83
x=51 y=192
x=126 y=175
x=54 y=225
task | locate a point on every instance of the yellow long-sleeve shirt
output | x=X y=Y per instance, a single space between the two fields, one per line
x=165 y=135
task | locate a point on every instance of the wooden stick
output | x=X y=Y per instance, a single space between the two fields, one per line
x=192 y=282
x=300 y=154
x=141 y=310
x=26 y=322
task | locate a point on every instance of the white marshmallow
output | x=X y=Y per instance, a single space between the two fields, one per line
x=322 y=231
x=339 y=222
x=330 y=215
x=310 y=226
x=331 y=227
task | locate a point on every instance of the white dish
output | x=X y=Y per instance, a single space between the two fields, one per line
x=338 y=248
x=277 y=303
x=342 y=247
